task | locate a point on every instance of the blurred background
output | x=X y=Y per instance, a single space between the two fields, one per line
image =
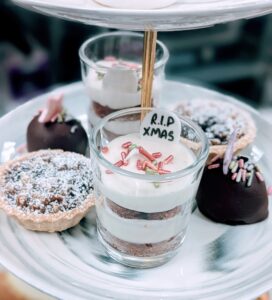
x=38 y=53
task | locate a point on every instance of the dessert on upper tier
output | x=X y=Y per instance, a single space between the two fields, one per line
x=142 y=218
x=47 y=190
x=116 y=86
x=233 y=190
x=136 y=4
x=218 y=120
x=53 y=128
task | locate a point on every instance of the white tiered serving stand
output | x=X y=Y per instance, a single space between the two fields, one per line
x=216 y=261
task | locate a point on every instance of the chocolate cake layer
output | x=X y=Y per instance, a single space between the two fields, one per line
x=132 y=214
x=141 y=250
x=103 y=111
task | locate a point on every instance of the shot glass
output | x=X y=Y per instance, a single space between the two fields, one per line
x=111 y=67
x=142 y=217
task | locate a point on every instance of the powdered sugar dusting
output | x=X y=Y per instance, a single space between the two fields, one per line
x=218 y=120
x=49 y=183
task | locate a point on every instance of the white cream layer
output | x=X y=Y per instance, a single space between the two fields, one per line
x=122 y=93
x=143 y=196
x=116 y=127
x=140 y=231
x=136 y=4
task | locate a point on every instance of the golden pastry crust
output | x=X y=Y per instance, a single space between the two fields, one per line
x=49 y=222
x=233 y=115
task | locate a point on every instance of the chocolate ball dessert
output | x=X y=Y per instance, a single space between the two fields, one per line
x=53 y=128
x=236 y=198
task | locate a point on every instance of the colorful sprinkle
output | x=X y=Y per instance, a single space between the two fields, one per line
x=241 y=163
x=235 y=168
x=146 y=154
x=149 y=165
x=232 y=164
x=260 y=176
x=214 y=166
x=139 y=165
x=215 y=158
x=233 y=177
x=250 y=179
x=239 y=176
x=269 y=191
x=157 y=155
x=119 y=164
x=244 y=175
x=123 y=155
x=168 y=160
x=163 y=172
x=105 y=150
x=126 y=145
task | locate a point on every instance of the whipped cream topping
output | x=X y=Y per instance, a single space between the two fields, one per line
x=141 y=195
x=136 y=4
x=120 y=86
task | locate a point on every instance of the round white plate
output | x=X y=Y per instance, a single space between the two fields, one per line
x=216 y=261
x=185 y=14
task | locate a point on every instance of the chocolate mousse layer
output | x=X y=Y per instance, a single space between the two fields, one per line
x=132 y=214
x=141 y=250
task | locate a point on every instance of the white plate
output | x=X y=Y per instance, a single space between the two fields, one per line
x=216 y=261
x=185 y=14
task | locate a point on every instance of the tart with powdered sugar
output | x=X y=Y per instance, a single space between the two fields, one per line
x=218 y=120
x=47 y=190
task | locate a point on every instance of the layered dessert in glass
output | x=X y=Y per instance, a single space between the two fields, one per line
x=145 y=188
x=111 y=67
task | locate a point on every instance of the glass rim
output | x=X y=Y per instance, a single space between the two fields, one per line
x=84 y=58
x=200 y=160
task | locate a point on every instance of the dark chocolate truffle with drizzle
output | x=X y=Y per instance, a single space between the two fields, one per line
x=52 y=128
x=237 y=197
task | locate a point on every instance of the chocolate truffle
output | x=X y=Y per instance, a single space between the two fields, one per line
x=239 y=197
x=52 y=128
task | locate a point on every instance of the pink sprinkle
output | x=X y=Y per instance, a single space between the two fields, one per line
x=214 y=166
x=157 y=155
x=109 y=172
x=125 y=163
x=160 y=165
x=269 y=191
x=234 y=176
x=123 y=155
x=126 y=145
x=149 y=165
x=244 y=175
x=105 y=150
x=162 y=172
x=260 y=176
x=216 y=157
x=241 y=163
x=119 y=164
x=146 y=154
x=139 y=165
x=168 y=160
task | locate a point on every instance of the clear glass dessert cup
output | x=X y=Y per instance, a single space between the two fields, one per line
x=142 y=219
x=111 y=68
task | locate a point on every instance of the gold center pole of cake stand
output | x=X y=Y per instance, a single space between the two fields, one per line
x=149 y=57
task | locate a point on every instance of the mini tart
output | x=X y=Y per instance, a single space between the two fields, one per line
x=47 y=190
x=218 y=120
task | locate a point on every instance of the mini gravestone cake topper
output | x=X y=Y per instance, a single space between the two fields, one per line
x=161 y=124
